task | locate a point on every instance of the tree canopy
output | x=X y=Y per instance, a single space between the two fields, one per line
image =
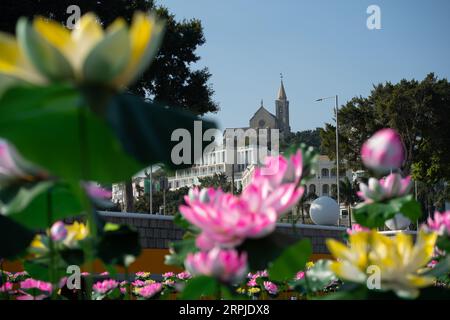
x=418 y=110
x=309 y=137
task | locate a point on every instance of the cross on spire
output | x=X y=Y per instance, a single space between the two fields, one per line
x=282 y=92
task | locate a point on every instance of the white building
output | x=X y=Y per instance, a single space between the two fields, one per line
x=215 y=163
x=323 y=184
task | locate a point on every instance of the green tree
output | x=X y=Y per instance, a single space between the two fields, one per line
x=418 y=110
x=309 y=137
x=218 y=180
x=347 y=194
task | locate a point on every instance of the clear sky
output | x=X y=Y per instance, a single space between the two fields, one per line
x=322 y=47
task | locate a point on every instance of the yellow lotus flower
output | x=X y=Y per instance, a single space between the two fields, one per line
x=37 y=243
x=45 y=51
x=240 y=290
x=254 y=290
x=399 y=261
x=75 y=232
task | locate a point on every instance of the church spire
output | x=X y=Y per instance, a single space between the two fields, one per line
x=282 y=92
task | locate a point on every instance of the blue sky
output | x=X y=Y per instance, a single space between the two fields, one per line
x=322 y=47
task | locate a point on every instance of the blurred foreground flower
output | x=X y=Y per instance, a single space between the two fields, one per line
x=226 y=265
x=392 y=186
x=226 y=220
x=58 y=231
x=383 y=152
x=398 y=259
x=13 y=168
x=69 y=235
x=45 y=51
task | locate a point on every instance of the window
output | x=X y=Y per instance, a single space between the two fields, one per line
x=312 y=188
x=325 y=190
x=261 y=123
x=325 y=173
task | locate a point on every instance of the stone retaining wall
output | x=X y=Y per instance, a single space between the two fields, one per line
x=156 y=231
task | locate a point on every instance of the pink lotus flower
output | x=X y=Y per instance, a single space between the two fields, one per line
x=169 y=282
x=104 y=274
x=356 y=228
x=184 y=275
x=138 y=283
x=168 y=275
x=276 y=185
x=105 y=286
x=226 y=265
x=62 y=282
x=440 y=223
x=252 y=283
x=8 y=286
x=258 y=274
x=150 y=290
x=95 y=191
x=432 y=264
x=392 y=186
x=384 y=151
x=300 y=275
x=271 y=287
x=85 y=274
x=227 y=220
x=36 y=284
x=58 y=231
x=279 y=170
x=26 y=296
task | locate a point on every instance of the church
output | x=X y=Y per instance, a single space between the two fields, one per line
x=264 y=119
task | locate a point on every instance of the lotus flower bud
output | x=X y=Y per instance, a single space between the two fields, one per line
x=383 y=152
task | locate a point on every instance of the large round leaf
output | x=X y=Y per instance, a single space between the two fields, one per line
x=53 y=128
x=37 y=206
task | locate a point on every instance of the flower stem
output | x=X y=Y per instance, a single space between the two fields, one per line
x=52 y=267
x=86 y=202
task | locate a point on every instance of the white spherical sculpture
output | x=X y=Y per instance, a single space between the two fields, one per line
x=324 y=211
x=399 y=222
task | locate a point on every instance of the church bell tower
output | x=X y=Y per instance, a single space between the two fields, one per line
x=282 y=111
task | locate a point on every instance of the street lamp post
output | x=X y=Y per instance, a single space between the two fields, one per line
x=337 y=145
